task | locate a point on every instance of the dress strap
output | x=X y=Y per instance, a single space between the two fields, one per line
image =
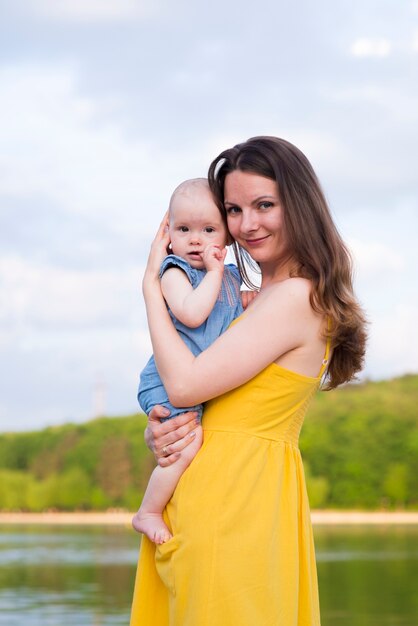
x=325 y=360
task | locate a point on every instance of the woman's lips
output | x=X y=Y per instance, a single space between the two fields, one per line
x=256 y=242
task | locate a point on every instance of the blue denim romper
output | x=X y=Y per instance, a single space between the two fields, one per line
x=227 y=307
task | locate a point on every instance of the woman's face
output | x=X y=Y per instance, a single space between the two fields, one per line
x=255 y=215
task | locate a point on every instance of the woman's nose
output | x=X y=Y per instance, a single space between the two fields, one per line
x=249 y=221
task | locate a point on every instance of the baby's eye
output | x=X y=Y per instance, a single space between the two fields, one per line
x=209 y=229
x=183 y=229
x=233 y=210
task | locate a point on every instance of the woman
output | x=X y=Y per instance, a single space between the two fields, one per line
x=242 y=551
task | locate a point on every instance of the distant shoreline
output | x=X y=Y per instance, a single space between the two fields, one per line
x=123 y=518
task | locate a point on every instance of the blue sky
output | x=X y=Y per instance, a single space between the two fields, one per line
x=107 y=105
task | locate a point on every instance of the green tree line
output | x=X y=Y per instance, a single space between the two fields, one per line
x=359 y=444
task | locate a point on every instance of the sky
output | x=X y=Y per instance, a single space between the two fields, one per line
x=107 y=105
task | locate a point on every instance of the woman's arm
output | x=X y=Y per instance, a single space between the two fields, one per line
x=267 y=331
x=193 y=306
x=279 y=321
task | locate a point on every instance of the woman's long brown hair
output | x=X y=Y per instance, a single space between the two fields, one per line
x=315 y=244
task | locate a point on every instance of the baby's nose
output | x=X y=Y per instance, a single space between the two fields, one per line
x=195 y=237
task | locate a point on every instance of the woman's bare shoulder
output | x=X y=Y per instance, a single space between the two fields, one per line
x=292 y=293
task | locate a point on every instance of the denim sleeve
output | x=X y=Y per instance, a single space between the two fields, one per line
x=172 y=260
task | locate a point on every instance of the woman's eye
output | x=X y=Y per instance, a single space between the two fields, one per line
x=265 y=205
x=233 y=210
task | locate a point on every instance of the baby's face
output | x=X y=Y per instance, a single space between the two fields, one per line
x=195 y=222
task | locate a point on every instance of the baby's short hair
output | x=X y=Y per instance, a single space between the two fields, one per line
x=187 y=185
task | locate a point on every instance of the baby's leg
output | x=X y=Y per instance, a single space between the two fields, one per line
x=161 y=486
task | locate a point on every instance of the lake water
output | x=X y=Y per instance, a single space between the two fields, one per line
x=83 y=576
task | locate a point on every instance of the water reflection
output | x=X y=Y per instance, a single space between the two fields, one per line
x=58 y=576
x=84 y=576
x=367 y=575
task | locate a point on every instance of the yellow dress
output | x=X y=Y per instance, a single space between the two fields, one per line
x=242 y=550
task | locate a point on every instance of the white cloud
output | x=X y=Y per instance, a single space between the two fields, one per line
x=402 y=107
x=55 y=298
x=59 y=372
x=56 y=149
x=393 y=343
x=64 y=147
x=59 y=146
x=94 y=10
x=373 y=257
x=415 y=42
x=366 y=47
x=61 y=330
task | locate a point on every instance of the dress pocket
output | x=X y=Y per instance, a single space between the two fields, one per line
x=164 y=554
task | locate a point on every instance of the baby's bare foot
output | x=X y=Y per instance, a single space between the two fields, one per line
x=152 y=525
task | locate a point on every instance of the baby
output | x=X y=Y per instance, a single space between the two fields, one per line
x=203 y=296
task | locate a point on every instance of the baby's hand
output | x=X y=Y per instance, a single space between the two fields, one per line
x=213 y=257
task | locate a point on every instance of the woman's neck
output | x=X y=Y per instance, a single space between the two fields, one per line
x=276 y=272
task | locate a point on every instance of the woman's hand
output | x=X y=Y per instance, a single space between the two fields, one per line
x=158 y=252
x=166 y=440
